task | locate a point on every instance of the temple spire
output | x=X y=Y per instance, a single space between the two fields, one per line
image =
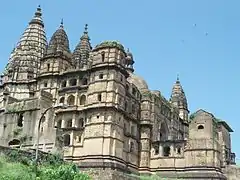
x=82 y=50
x=25 y=58
x=178 y=98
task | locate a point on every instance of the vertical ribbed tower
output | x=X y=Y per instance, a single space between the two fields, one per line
x=24 y=60
x=179 y=99
x=57 y=59
x=82 y=50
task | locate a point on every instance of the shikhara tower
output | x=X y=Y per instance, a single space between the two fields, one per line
x=113 y=121
x=24 y=62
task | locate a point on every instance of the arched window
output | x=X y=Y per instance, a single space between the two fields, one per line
x=100 y=76
x=99 y=97
x=156 y=150
x=178 y=150
x=166 y=151
x=73 y=82
x=71 y=100
x=14 y=142
x=82 y=100
x=64 y=83
x=48 y=67
x=69 y=123
x=62 y=99
x=66 y=139
x=103 y=56
x=84 y=81
x=131 y=147
x=20 y=120
x=163 y=132
x=200 y=127
x=80 y=123
x=134 y=91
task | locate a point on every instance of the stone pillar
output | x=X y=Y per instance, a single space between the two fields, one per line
x=161 y=150
x=145 y=143
x=74 y=121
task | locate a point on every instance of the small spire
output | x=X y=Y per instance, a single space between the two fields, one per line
x=177 y=77
x=86 y=29
x=61 y=24
x=38 y=13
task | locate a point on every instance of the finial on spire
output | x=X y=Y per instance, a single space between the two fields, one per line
x=61 y=24
x=177 y=77
x=38 y=12
x=86 y=28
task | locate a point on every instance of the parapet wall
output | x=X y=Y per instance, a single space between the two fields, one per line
x=232 y=172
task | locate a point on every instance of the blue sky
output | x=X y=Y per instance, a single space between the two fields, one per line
x=163 y=37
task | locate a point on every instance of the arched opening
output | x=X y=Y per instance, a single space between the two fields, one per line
x=99 y=97
x=48 y=67
x=156 y=150
x=84 y=81
x=166 y=151
x=66 y=139
x=71 y=100
x=73 y=82
x=163 y=132
x=83 y=100
x=134 y=91
x=62 y=99
x=100 y=76
x=178 y=150
x=14 y=143
x=69 y=123
x=103 y=56
x=200 y=127
x=64 y=83
x=131 y=147
x=20 y=120
x=80 y=123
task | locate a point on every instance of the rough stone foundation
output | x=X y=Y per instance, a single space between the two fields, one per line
x=108 y=174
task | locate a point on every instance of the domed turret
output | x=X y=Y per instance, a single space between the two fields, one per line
x=139 y=82
x=59 y=41
x=179 y=99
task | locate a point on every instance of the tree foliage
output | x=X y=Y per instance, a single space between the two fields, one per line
x=14 y=166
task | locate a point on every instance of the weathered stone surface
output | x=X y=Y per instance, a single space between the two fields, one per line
x=113 y=123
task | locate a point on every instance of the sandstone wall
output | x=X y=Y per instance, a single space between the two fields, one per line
x=232 y=172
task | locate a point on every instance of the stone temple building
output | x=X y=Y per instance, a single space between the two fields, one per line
x=112 y=123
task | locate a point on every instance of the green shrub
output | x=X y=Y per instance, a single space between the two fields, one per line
x=23 y=168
